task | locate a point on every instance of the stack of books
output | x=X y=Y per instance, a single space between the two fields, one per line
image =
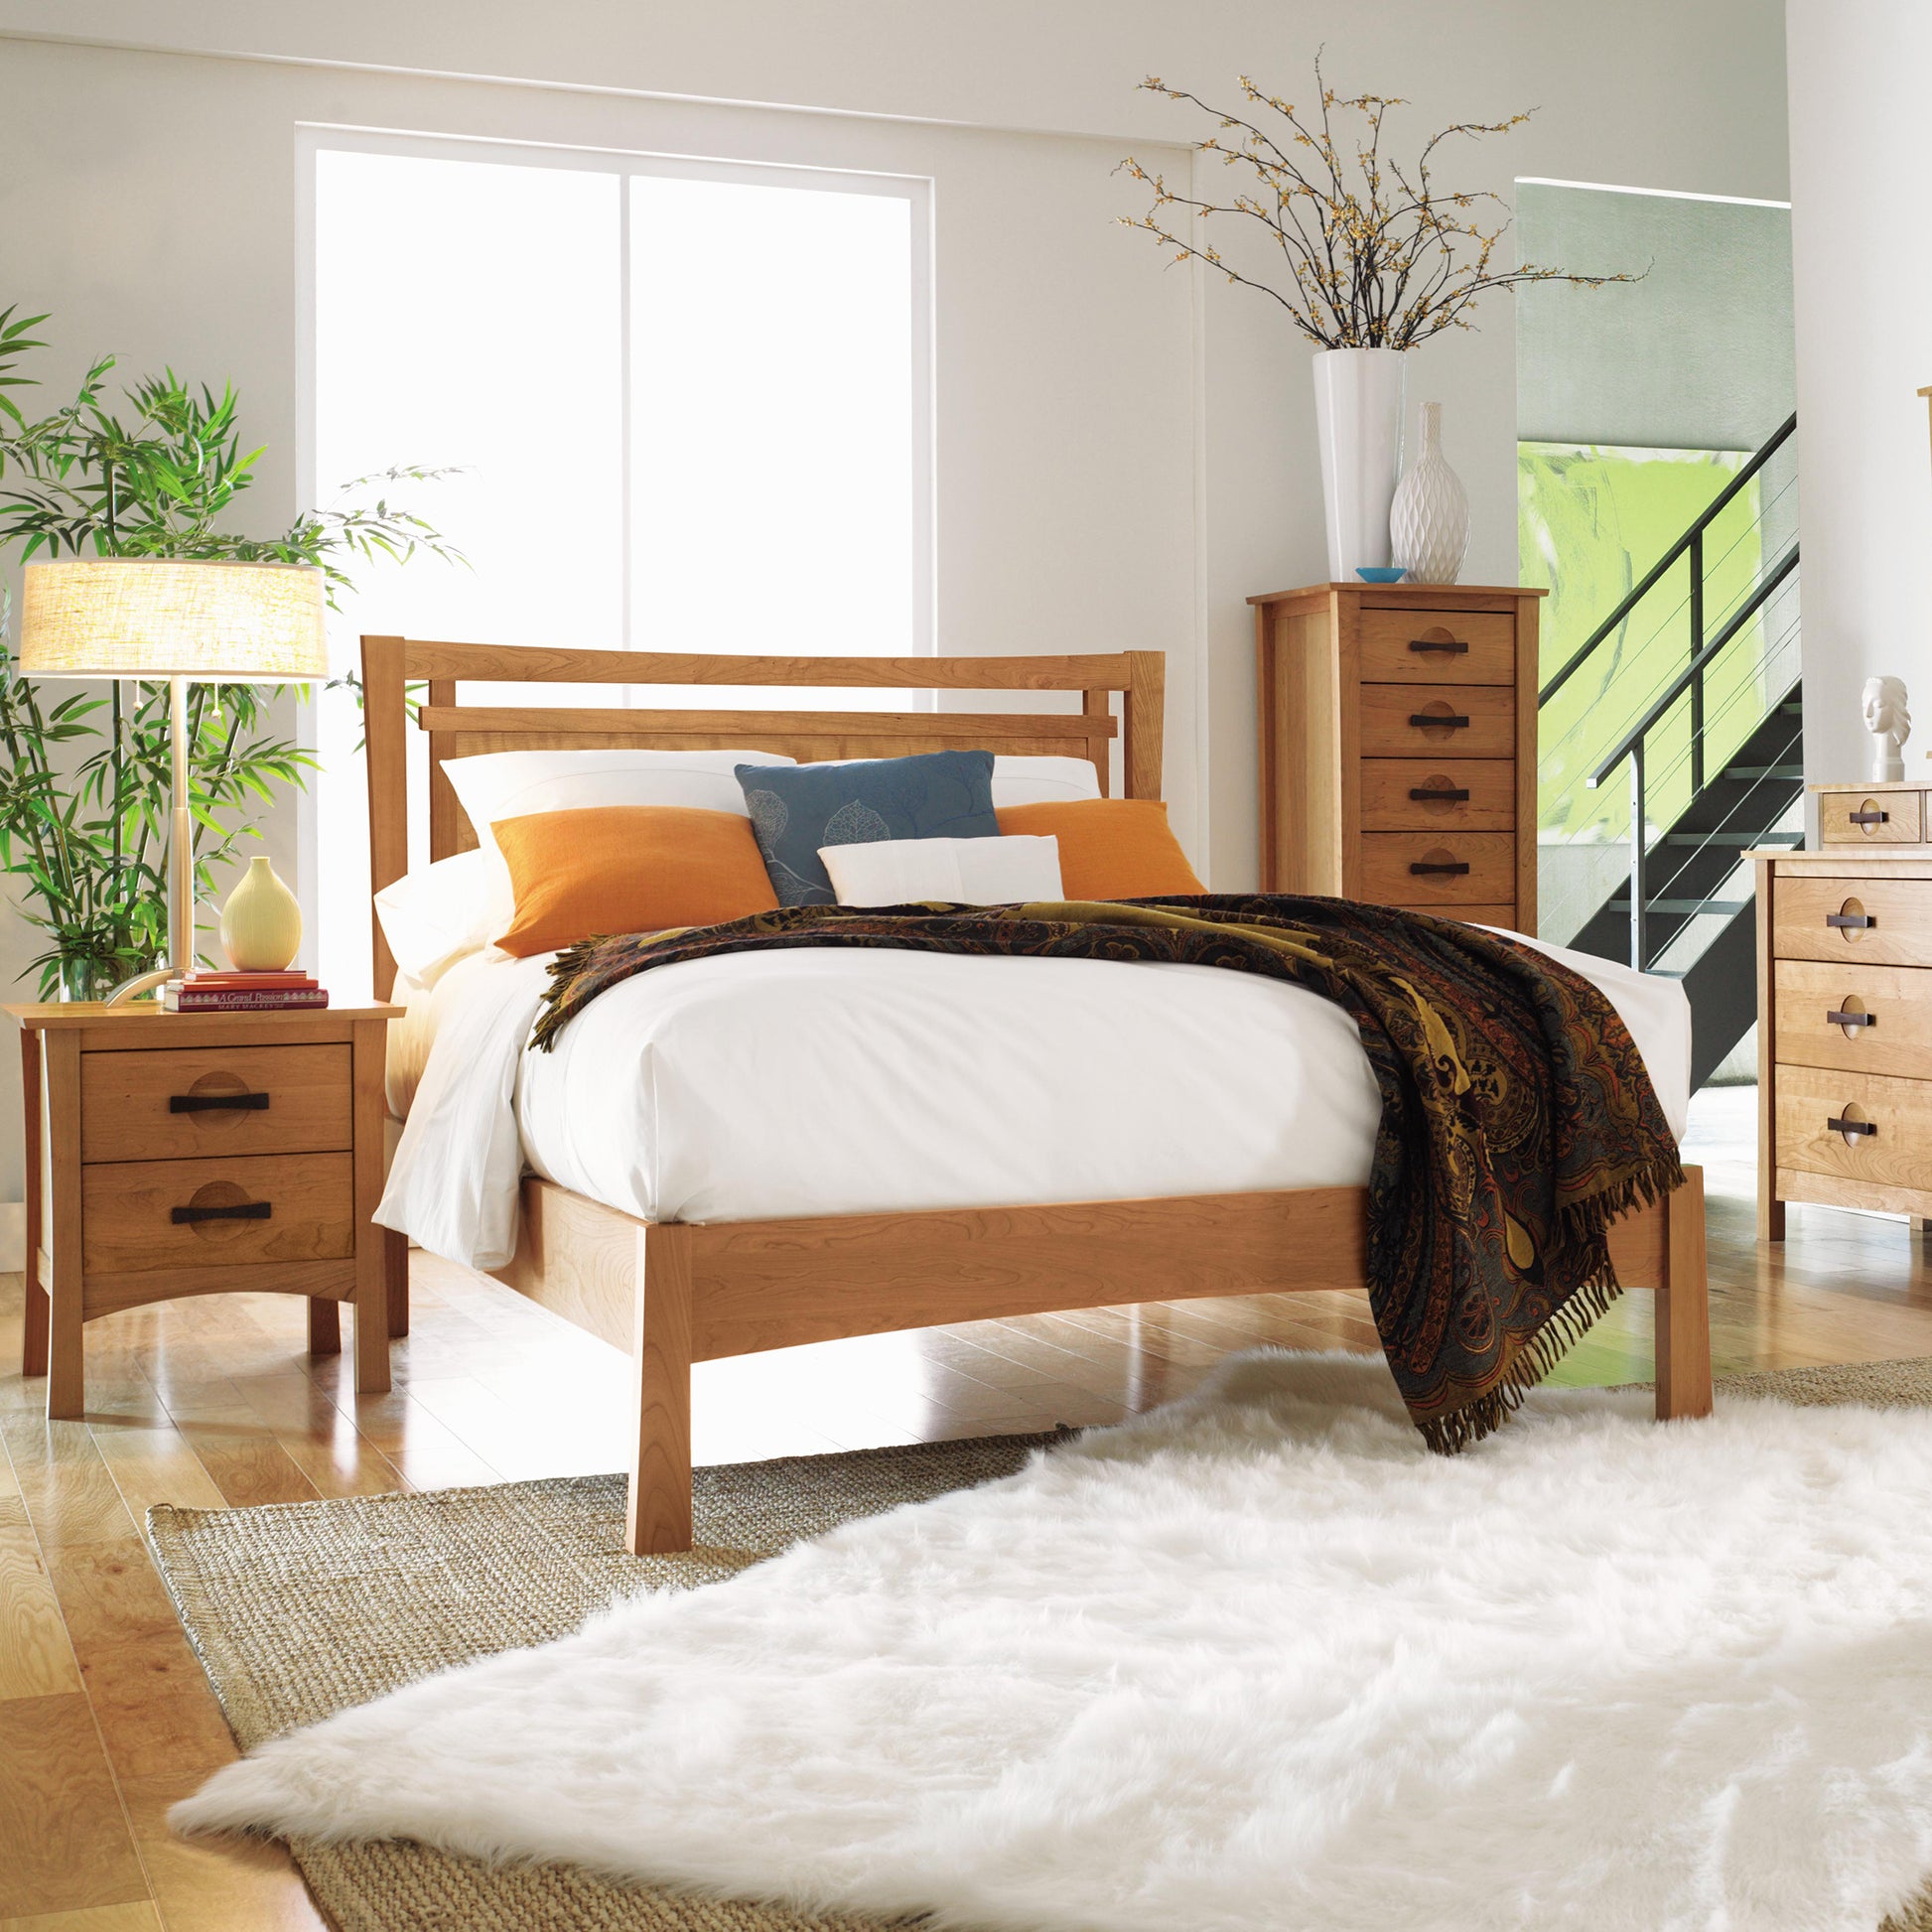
x=242 y=992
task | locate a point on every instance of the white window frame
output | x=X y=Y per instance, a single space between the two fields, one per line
x=916 y=190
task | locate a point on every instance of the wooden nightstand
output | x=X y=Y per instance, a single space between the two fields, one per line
x=197 y=1153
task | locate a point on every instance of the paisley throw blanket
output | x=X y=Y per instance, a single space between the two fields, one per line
x=1517 y=1118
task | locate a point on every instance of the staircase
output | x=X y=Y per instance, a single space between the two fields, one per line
x=1716 y=732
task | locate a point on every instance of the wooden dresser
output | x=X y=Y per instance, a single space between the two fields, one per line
x=1845 y=1011
x=1398 y=745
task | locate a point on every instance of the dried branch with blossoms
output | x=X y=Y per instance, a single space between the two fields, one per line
x=1379 y=257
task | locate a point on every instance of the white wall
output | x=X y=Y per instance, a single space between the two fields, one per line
x=1124 y=456
x=1860 y=149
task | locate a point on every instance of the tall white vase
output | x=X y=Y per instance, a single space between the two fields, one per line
x=1429 y=521
x=1358 y=417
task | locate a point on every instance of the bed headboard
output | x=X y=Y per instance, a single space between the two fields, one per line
x=391 y=664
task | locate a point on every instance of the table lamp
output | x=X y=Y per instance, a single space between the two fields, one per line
x=163 y=618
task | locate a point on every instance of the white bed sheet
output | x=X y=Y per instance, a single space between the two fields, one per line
x=820 y=1081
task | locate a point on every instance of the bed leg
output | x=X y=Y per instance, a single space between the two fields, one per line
x=658 y=1516
x=1683 y=1307
x=396 y=1269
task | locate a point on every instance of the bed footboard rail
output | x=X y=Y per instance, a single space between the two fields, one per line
x=676 y=1292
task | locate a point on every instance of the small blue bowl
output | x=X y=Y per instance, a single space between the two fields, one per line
x=1379 y=574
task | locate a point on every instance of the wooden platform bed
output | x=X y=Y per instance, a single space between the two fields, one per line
x=676 y=1292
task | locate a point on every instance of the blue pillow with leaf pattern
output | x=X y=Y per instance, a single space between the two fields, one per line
x=797 y=808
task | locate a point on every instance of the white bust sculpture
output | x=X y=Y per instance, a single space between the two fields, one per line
x=1890 y=724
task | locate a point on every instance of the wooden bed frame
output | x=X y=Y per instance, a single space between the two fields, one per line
x=677 y=1293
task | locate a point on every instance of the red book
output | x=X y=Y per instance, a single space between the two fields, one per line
x=273 y=997
x=242 y=982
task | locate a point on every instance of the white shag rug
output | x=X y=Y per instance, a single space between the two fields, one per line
x=1256 y=1663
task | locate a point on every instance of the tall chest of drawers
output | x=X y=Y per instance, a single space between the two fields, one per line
x=1845 y=1014
x=1398 y=745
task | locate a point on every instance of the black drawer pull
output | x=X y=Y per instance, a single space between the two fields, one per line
x=1451 y=646
x=1850 y=1127
x=247 y=1210
x=1455 y=866
x=1452 y=720
x=1455 y=794
x=210 y=1103
x=1850 y=921
x=1868 y=818
x=1850 y=1018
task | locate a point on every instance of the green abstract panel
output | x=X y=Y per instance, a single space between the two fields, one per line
x=1591 y=523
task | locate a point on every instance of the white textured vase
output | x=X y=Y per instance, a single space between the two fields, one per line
x=1429 y=520
x=1358 y=418
x=261 y=924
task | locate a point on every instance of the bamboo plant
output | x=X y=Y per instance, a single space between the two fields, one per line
x=84 y=800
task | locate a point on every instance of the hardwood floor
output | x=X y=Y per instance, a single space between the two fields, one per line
x=105 y=1718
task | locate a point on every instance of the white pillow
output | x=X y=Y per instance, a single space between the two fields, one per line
x=1042 y=781
x=970 y=872
x=518 y=784
x=434 y=917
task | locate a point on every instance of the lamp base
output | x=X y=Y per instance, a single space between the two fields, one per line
x=132 y=989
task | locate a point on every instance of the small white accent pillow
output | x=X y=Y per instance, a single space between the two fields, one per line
x=968 y=871
x=435 y=916
x=518 y=784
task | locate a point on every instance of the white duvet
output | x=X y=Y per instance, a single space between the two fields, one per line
x=819 y=1081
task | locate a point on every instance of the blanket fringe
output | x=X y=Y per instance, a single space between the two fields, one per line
x=1583 y=1225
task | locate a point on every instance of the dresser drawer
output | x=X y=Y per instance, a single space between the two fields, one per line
x=1439 y=869
x=1884 y=1135
x=1887 y=1017
x=176 y=1104
x=1403 y=721
x=1876 y=818
x=1876 y=921
x=129 y=1211
x=1419 y=794
x=1502 y=916
x=1438 y=646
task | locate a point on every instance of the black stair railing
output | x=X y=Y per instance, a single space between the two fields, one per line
x=1689 y=545
x=1633 y=745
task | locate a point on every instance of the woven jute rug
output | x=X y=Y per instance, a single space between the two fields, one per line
x=298 y=1610
x=301 y=1610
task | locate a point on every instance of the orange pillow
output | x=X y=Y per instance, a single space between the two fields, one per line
x=1110 y=848
x=627 y=868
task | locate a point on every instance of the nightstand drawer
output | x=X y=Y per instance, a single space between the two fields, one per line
x=1858 y=1018
x=1416 y=721
x=1859 y=1126
x=1443 y=795
x=1439 y=869
x=1438 y=647
x=1874 y=819
x=1873 y=920
x=177 y=1104
x=139 y=1214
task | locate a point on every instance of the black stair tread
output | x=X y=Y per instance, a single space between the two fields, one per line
x=1794 y=773
x=1729 y=907
x=1743 y=839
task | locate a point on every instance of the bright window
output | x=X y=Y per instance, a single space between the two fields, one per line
x=688 y=403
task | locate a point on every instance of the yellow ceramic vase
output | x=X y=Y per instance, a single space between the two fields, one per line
x=261 y=924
